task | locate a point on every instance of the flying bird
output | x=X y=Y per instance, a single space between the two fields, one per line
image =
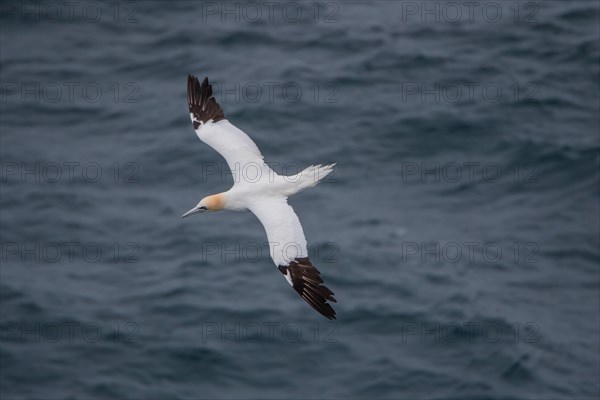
x=265 y=195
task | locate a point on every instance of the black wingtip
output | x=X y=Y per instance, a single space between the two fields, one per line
x=306 y=280
x=201 y=104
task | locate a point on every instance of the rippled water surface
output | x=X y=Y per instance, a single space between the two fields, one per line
x=459 y=233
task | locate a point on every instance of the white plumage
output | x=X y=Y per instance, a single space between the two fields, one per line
x=265 y=194
x=238 y=150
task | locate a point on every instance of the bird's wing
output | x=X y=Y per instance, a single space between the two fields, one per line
x=287 y=245
x=241 y=153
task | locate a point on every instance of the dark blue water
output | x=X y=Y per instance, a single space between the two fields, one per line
x=459 y=233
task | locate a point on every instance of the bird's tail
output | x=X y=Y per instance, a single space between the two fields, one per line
x=307 y=178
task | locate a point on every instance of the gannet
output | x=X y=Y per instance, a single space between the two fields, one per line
x=265 y=195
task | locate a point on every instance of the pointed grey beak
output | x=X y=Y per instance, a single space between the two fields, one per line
x=194 y=211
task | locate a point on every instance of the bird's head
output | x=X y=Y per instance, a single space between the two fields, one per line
x=215 y=202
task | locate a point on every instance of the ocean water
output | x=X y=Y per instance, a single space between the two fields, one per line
x=460 y=231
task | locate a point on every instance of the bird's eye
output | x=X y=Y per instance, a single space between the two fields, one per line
x=203 y=208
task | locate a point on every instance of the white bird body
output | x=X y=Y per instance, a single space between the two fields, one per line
x=262 y=191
